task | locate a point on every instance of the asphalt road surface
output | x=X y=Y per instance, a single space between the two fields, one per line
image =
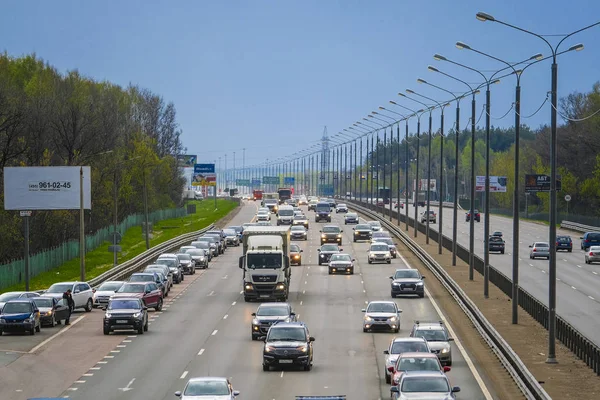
x=206 y=331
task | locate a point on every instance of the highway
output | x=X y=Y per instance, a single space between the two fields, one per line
x=206 y=331
x=578 y=284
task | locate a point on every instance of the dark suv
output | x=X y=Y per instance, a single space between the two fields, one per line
x=326 y=251
x=126 y=313
x=590 y=239
x=496 y=243
x=331 y=234
x=288 y=343
x=564 y=242
x=322 y=211
x=477 y=216
x=362 y=232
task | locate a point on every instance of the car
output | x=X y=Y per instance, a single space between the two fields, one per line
x=298 y=232
x=285 y=215
x=398 y=346
x=171 y=261
x=564 y=242
x=539 y=249
x=4 y=297
x=163 y=269
x=341 y=208
x=209 y=388
x=125 y=313
x=238 y=229
x=590 y=239
x=476 y=214
x=331 y=201
x=381 y=315
x=326 y=251
x=417 y=361
x=300 y=220
x=341 y=263
x=302 y=201
x=378 y=235
x=497 y=234
x=391 y=245
x=208 y=246
x=150 y=276
x=200 y=257
x=322 y=211
x=20 y=315
x=362 y=232
x=186 y=262
x=593 y=255
x=218 y=235
x=263 y=216
x=148 y=292
x=437 y=337
x=379 y=252
x=407 y=281
x=350 y=218
x=312 y=204
x=416 y=384
x=82 y=293
x=331 y=234
x=295 y=255
x=375 y=225
x=496 y=243
x=52 y=310
x=263 y=209
x=288 y=344
x=432 y=216
x=268 y=314
x=232 y=237
x=298 y=212
x=400 y=204
x=103 y=292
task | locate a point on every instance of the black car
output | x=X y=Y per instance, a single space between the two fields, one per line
x=495 y=243
x=476 y=218
x=407 y=281
x=288 y=344
x=362 y=232
x=331 y=234
x=269 y=314
x=326 y=251
x=351 y=218
x=322 y=212
x=52 y=310
x=564 y=242
x=125 y=313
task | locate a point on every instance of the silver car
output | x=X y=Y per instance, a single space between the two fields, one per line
x=4 y=297
x=263 y=216
x=539 y=249
x=592 y=255
x=103 y=292
x=381 y=315
x=231 y=237
x=212 y=388
x=437 y=338
x=379 y=252
x=418 y=384
x=401 y=345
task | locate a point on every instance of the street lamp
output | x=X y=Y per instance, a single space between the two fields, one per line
x=551 y=359
x=378 y=164
x=384 y=159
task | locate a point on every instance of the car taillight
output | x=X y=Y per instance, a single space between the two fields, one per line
x=591 y=253
x=534 y=249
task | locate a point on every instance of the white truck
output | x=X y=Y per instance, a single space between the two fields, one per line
x=265 y=262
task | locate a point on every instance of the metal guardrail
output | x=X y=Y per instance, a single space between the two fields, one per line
x=122 y=271
x=574 y=226
x=574 y=340
x=528 y=384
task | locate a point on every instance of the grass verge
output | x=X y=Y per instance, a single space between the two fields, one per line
x=133 y=243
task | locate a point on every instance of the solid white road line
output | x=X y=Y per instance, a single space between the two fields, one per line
x=63 y=330
x=458 y=343
x=183 y=375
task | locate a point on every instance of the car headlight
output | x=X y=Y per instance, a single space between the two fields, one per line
x=323 y=236
x=339 y=235
x=368 y=319
x=107 y=315
x=446 y=350
x=248 y=286
x=394 y=319
x=254 y=321
x=322 y=255
x=303 y=349
x=281 y=286
x=2 y=321
x=269 y=349
x=419 y=283
x=297 y=256
x=27 y=320
x=395 y=284
x=137 y=315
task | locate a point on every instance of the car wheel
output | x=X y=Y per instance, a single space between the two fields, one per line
x=89 y=305
x=365 y=330
x=570 y=250
x=308 y=367
x=266 y=368
x=247 y=300
x=370 y=262
x=146 y=326
x=53 y=323
x=159 y=305
x=140 y=330
x=106 y=331
x=389 y=261
x=388 y=379
x=38 y=327
x=449 y=363
x=354 y=240
x=319 y=262
x=397 y=330
x=421 y=295
x=392 y=294
x=352 y=271
x=32 y=331
x=502 y=252
x=300 y=263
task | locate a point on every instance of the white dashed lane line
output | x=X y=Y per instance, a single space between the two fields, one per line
x=183 y=375
x=214 y=332
x=201 y=352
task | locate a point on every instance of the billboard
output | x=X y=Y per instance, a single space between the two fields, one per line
x=242 y=182
x=497 y=184
x=423 y=185
x=271 y=180
x=204 y=175
x=540 y=183
x=46 y=188
x=186 y=160
x=289 y=180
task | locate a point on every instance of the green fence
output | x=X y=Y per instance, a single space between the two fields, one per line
x=14 y=272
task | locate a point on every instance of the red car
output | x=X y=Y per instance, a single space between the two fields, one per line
x=149 y=292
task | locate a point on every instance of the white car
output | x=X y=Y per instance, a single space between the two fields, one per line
x=103 y=292
x=401 y=345
x=80 y=291
x=381 y=315
x=379 y=252
x=341 y=208
x=263 y=216
x=209 y=388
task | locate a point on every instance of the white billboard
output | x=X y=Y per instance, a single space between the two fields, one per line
x=423 y=185
x=46 y=188
x=497 y=184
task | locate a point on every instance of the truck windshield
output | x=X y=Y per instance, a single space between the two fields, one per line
x=323 y=207
x=264 y=261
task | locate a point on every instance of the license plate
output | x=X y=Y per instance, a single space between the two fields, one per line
x=122 y=321
x=286 y=361
x=264 y=296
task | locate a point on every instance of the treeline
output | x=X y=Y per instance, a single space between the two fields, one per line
x=127 y=135
x=578 y=156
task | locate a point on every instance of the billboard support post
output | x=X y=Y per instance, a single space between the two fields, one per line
x=81 y=229
x=25 y=216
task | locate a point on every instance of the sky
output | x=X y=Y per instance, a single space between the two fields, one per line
x=269 y=76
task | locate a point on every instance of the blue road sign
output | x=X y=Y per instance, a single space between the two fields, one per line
x=204 y=168
x=255 y=182
x=289 y=181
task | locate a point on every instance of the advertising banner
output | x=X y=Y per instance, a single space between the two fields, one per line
x=423 y=185
x=271 y=180
x=497 y=184
x=204 y=175
x=46 y=188
x=540 y=183
x=186 y=160
x=289 y=181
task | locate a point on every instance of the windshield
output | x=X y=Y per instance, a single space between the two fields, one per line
x=110 y=287
x=229 y=232
x=542 y=245
x=418 y=364
x=431 y=335
x=116 y=304
x=291 y=334
x=341 y=257
x=342 y=205
x=387 y=241
x=286 y=213
x=201 y=245
x=323 y=207
x=141 y=278
x=9 y=296
x=195 y=253
x=351 y=215
x=381 y=234
x=381 y=307
x=379 y=247
x=422 y=384
x=264 y=261
x=331 y=229
x=272 y=311
x=361 y=227
x=374 y=223
x=44 y=302
x=17 y=308
x=408 y=273
x=60 y=288
x=330 y=247
x=237 y=229
x=169 y=262
x=207 y=388
x=263 y=213
x=294 y=248
x=299 y=217
x=130 y=288
x=563 y=239
x=182 y=256
x=299 y=228
x=409 y=347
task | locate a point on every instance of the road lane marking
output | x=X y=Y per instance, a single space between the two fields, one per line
x=72 y=389
x=201 y=352
x=594 y=272
x=281 y=374
x=579 y=266
x=304 y=291
x=305 y=282
x=242 y=292
x=573 y=287
x=458 y=343
x=531 y=265
x=79 y=381
x=233 y=304
x=115 y=351
x=558 y=279
x=225 y=277
x=300 y=302
x=126 y=341
x=109 y=356
x=214 y=332
x=591 y=298
x=102 y=362
x=66 y=328
x=95 y=368
x=225 y=316
x=88 y=374
x=543 y=272
x=183 y=375
x=132 y=336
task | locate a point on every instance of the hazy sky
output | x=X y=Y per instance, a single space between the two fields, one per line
x=269 y=75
